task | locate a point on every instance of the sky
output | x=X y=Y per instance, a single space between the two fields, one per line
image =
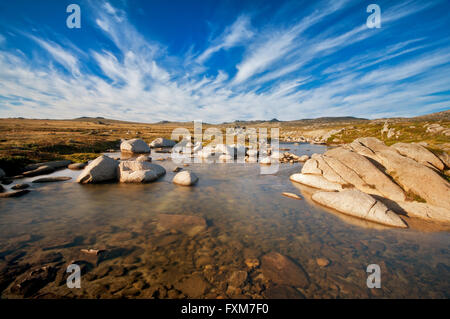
x=223 y=60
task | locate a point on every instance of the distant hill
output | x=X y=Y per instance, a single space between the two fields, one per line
x=439 y=116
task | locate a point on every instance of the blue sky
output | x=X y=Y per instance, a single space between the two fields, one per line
x=223 y=60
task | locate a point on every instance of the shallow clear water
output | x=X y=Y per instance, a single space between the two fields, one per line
x=246 y=217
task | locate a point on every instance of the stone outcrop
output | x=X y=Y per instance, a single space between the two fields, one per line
x=372 y=177
x=403 y=177
x=419 y=154
x=102 y=169
x=414 y=177
x=135 y=145
x=356 y=203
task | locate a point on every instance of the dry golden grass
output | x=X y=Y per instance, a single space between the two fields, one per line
x=24 y=141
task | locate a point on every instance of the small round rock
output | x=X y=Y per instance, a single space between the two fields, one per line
x=185 y=178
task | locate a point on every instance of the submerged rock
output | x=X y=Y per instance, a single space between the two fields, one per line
x=102 y=169
x=281 y=270
x=316 y=181
x=34 y=281
x=190 y=225
x=322 y=262
x=52 y=179
x=356 y=203
x=185 y=178
x=134 y=145
x=238 y=278
x=162 y=142
x=14 y=194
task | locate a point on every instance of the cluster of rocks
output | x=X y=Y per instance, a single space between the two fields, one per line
x=372 y=181
x=437 y=129
x=292 y=158
x=33 y=170
x=139 y=170
x=319 y=138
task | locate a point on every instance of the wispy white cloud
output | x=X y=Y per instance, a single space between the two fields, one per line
x=287 y=72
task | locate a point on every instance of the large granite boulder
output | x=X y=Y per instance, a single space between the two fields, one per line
x=162 y=142
x=139 y=172
x=102 y=169
x=372 y=176
x=414 y=177
x=419 y=154
x=134 y=145
x=356 y=203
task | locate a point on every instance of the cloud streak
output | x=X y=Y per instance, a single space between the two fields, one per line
x=284 y=71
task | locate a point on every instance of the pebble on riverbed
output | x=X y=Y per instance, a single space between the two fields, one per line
x=322 y=262
x=91 y=251
x=291 y=195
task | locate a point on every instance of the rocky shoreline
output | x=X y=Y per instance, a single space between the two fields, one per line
x=372 y=181
x=365 y=179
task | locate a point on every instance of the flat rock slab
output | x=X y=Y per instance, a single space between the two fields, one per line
x=358 y=204
x=42 y=170
x=316 y=181
x=54 y=164
x=77 y=166
x=52 y=179
x=14 y=194
x=20 y=186
x=190 y=225
x=281 y=270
